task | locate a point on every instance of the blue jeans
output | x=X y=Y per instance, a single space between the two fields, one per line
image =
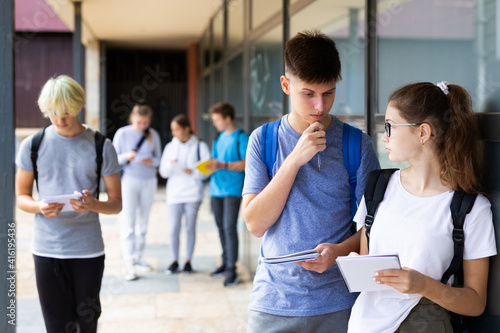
x=226 y=210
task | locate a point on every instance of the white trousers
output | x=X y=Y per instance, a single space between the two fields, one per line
x=137 y=199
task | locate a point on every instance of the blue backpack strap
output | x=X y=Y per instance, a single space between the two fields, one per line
x=269 y=145
x=351 y=150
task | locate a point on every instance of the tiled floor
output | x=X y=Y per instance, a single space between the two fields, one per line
x=156 y=302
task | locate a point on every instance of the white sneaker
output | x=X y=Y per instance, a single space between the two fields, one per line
x=130 y=274
x=143 y=266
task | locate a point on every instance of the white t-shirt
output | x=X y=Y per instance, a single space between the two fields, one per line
x=419 y=229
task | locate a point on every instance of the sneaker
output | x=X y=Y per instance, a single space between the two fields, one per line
x=143 y=266
x=231 y=279
x=219 y=271
x=187 y=268
x=130 y=274
x=174 y=268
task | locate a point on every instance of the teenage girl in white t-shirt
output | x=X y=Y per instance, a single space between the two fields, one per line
x=433 y=128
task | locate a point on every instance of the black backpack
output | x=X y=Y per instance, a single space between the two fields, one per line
x=99 y=144
x=461 y=205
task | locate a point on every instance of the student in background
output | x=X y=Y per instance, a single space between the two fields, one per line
x=307 y=203
x=68 y=248
x=225 y=186
x=184 y=187
x=138 y=147
x=434 y=129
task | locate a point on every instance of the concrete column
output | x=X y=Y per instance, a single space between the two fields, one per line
x=92 y=85
x=8 y=303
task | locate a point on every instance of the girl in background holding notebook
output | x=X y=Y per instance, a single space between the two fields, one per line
x=433 y=128
x=184 y=186
x=138 y=147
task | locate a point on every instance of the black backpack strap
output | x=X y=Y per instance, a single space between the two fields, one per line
x=99 y=145
x=141 y=141
x=461 y=205
x=374 y=194
x=198 y=151
x=35 y=145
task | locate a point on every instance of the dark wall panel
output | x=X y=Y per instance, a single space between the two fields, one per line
x=38 y=57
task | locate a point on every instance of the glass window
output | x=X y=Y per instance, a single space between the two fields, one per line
x=235 y=84
x=263 y=10
x=218 y=29
x=344 y=23
x=218 y=88
x=235 y=31
x=435 y=41
x=206 y=120
x=205 y=50
x=266 y=56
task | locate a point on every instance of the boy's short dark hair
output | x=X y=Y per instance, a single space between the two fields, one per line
x=312 y=57
x=224 y=109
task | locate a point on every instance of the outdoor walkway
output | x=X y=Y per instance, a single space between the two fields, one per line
x=156 y=302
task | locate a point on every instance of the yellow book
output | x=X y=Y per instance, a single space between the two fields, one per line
x=202 y=167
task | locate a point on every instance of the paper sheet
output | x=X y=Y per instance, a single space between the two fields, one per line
x=63 y=199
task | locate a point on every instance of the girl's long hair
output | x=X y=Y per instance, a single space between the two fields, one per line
x=454 y=126
x=142 y=109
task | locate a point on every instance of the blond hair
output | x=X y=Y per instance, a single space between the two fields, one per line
x=61 y=96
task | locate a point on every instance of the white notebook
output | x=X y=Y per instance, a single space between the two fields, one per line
x=358 y=271
x=294 y=257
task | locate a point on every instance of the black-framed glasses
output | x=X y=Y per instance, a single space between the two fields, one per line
x=389 y=126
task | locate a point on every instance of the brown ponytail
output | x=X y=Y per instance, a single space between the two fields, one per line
x=454 y=126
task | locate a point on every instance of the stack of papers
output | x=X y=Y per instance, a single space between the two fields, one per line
x=358 y=271
x=202 y=167
x=294 y=257
x=65 y=198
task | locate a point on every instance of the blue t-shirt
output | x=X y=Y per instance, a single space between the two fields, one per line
x=317 y=211
x=230 y=147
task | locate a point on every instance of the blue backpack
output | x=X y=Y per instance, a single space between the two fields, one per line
x=351 y=150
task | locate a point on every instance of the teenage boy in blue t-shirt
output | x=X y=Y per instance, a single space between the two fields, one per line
x=225 y=186
x=306 y=205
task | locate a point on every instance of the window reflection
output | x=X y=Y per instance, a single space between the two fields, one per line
x=427 y=40
x=344 y=23
x=265 y=70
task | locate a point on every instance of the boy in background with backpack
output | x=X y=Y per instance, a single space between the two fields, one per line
x=304 y=202
x=225 y=186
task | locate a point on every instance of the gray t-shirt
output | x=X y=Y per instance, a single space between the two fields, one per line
x=317 y=211
x=66 y=165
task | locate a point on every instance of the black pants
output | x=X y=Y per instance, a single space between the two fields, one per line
x=226 y=210
x=69 y=293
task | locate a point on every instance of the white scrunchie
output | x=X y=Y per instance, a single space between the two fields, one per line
x=443 y=85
